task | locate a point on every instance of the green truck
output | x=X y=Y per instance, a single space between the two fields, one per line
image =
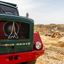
x=18 y=42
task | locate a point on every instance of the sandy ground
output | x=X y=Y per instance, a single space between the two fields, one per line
x=53 y=54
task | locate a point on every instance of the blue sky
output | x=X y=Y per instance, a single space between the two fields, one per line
x=41 y=11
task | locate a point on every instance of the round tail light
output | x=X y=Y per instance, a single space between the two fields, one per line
x=38 y=45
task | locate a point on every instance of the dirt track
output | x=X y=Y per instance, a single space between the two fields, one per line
x=53 y=54
x=54 y=47
x=51 y=57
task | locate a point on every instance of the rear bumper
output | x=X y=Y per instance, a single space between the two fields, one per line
x=20 y=57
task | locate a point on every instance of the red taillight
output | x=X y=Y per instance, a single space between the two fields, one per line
x=11 y=58
x=16 y=57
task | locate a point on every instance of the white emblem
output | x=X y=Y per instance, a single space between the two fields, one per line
x=13 y=33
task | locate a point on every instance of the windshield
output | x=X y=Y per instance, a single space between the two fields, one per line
x=8 y=10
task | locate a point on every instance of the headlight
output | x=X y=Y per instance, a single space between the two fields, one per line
x=37 y=45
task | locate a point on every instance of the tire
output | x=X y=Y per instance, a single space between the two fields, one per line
x=22 y=63
x=45 y=34
x=31 y=62
x=53 y=36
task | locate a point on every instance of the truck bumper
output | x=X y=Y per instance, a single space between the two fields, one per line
x=20 y=57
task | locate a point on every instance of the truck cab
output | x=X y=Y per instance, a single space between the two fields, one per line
x=18 y=42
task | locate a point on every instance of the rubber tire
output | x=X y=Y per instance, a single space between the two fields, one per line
x=22 y=63
x=31 y=62
x=53 y=36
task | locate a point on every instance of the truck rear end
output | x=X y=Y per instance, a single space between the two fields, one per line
x=18 y=42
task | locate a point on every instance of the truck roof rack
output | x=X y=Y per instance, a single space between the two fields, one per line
x=8 y=3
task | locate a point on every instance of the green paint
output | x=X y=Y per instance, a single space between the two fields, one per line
x=17 y=48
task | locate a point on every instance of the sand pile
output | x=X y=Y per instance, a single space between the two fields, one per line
x=61 y=42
